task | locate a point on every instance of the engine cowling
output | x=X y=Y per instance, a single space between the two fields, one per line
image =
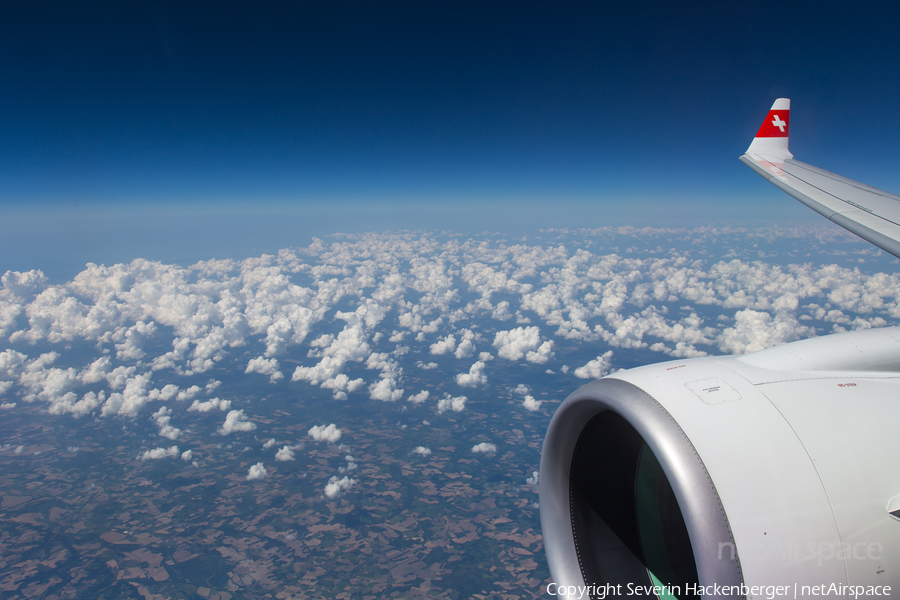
x=762 y=475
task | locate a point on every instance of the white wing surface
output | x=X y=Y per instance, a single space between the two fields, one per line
x=870 y=213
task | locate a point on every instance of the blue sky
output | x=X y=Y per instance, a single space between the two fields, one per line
x=180 y=132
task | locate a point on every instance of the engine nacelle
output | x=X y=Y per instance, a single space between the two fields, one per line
x=761 y=475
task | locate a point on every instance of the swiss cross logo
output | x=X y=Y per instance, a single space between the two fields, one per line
x=775 y=124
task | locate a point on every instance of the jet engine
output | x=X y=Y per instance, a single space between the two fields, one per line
x=762 y=476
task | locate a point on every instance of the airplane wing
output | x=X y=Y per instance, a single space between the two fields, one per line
x=870 y=213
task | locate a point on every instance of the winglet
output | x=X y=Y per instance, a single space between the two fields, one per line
x=771 y=140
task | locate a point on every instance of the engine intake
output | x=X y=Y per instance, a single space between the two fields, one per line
x=725 y=475
x=626 y=500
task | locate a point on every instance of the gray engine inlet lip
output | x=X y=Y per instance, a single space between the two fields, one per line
x=697 y=497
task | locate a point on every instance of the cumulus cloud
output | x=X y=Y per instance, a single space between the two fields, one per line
x=118 y=377
x=285 y=453
x=419 y=398
x=323 y=433
x=55 y=386
x=448 y=402
x=514 y=343
x=88 y=404
x=474 y=377
x=597 y=368
x=385 y=390
x=236 y=421
x=351 y=465
x=542 y=354
x=444 y=345
x=187 y=455
x=340 y=384
x=484 y=447
x=96 y=371
x=166 y=429
x=167 y=393
x=531 y=404
x=11 y=363
x=755 y=330
x=157 y=453
x=265 y=366
x=335 y=487
x=466 y=346
x=257 y=471
x=501 y=312
x=422 y=451
x=132 y=339
x=211 y=404
x=534 y=479
x=188 y=394
x=131 y=400
x=350 y=345
x=24 y=285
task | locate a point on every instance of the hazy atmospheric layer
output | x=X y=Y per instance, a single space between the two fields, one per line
x=355 y=313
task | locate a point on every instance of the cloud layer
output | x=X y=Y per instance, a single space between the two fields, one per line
x=378 y=315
